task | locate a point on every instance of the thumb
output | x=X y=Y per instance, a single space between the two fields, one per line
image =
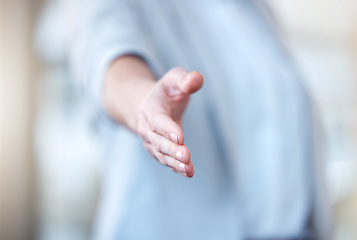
x=179 y=80
x=192 y=83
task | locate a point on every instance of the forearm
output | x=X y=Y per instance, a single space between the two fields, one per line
x=128 y=81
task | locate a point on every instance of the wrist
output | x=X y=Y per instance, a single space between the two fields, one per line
x=127 y=84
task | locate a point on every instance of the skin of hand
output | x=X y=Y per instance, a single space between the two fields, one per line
x=153 y=109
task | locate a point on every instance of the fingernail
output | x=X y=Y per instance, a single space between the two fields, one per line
x=173 y=137
x=179 y=155
x=188 y=168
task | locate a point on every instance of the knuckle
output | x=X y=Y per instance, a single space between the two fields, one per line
x=174 y=164
x=167 y=161
x=157 y=143
x=167 y=128
x=151 y=121
x=173 y=149
x=177 y=164
x=160 y=158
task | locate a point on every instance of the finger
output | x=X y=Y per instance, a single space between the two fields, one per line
x=174 y=164
x=179 y=80
x=165 y=146
x=166 y=127
x=190 y=171
x=183 y=174
x=170 y=162
x=193 y=82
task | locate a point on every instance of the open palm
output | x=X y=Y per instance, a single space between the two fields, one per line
x=160 y=119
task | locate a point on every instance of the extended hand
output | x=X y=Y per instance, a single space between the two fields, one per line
x=160 y=119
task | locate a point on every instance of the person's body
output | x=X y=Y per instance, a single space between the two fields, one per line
x=245 y=137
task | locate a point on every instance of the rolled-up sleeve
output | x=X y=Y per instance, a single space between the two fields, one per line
x=100 y=32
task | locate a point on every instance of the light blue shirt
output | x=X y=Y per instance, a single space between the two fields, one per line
x=248 y=129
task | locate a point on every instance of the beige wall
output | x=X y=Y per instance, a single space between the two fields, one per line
x=17 y=69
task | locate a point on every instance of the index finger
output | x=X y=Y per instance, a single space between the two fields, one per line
x=166 y=127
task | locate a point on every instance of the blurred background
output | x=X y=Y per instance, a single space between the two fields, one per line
x=50 y=154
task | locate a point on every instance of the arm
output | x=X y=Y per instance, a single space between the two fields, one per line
x=152 y=109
